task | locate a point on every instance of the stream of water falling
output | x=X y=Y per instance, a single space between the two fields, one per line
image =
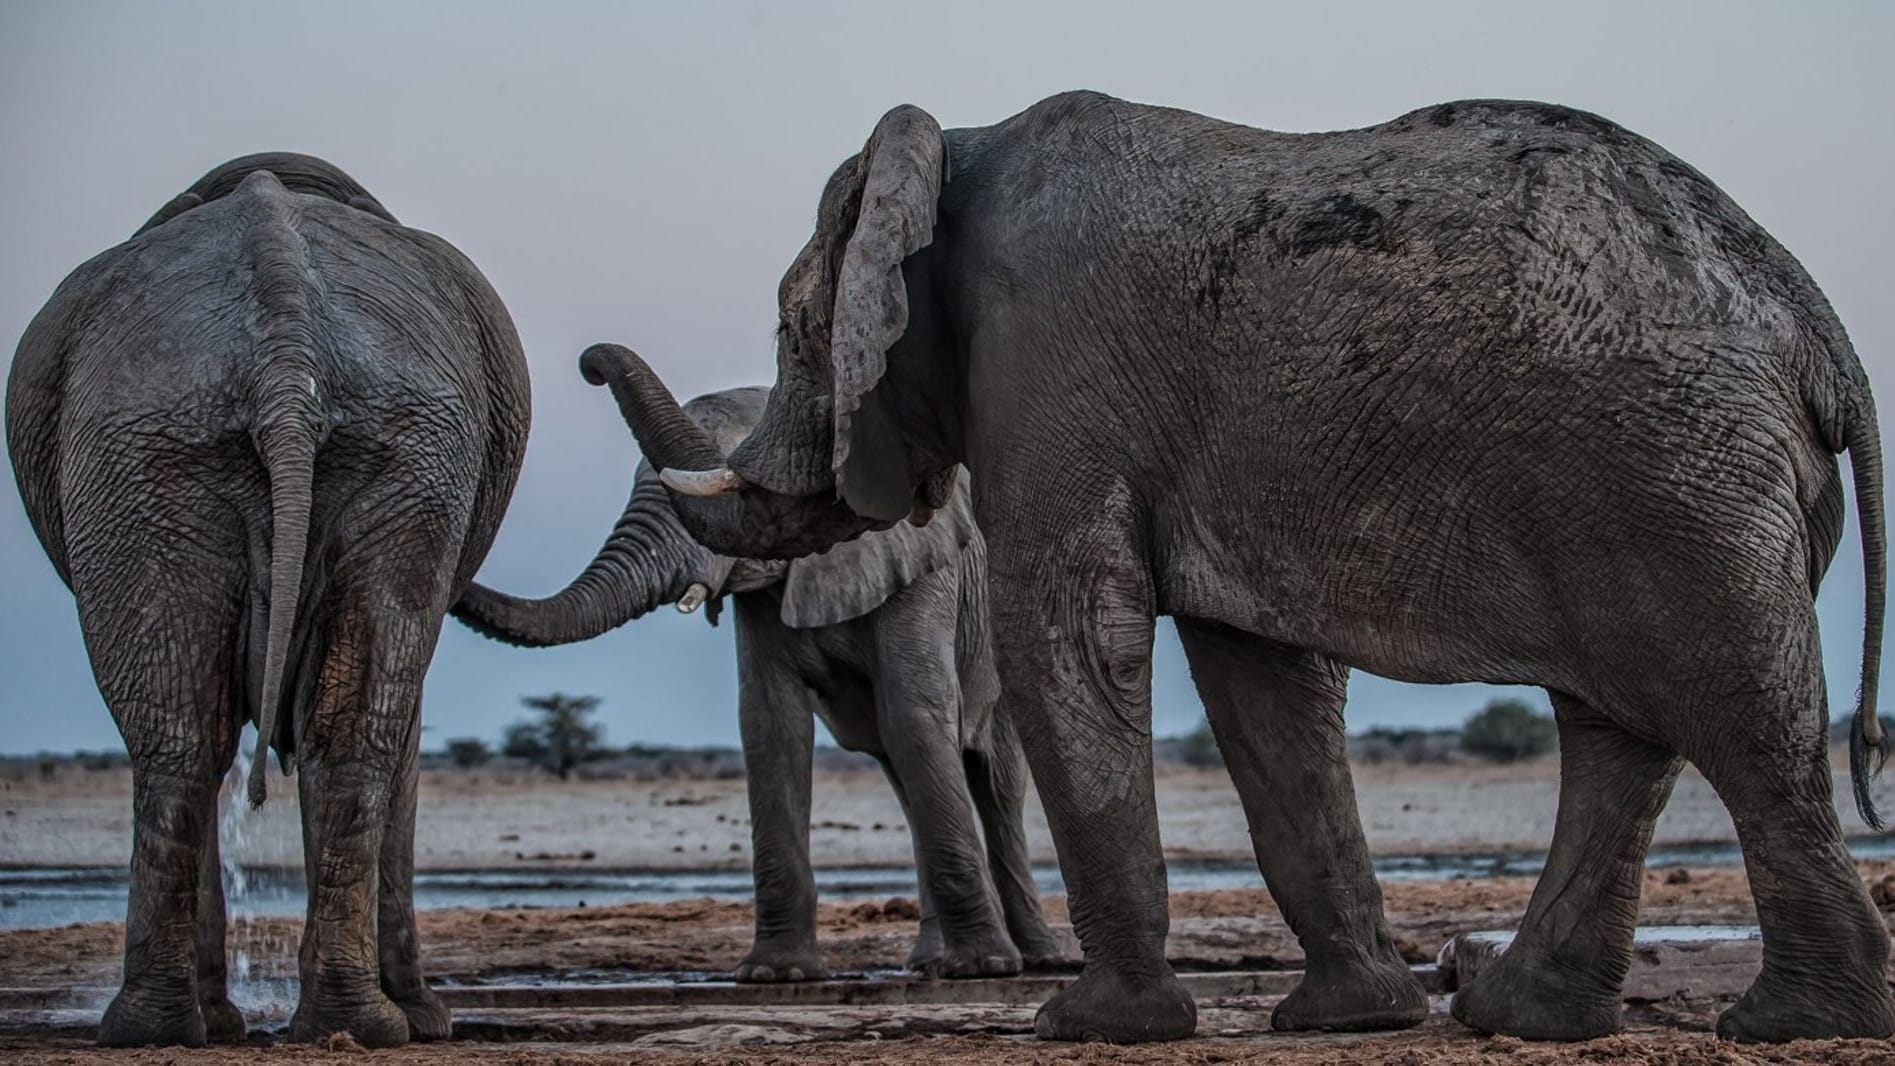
x=262 y=961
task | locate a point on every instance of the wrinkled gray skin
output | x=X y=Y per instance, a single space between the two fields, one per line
x=885 y=638
x=1491 y=392
x=265 y=442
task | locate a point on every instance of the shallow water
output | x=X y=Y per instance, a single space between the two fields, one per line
x=50 y=896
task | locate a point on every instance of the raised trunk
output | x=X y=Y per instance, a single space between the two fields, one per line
x=670 y=439
x=647 y=561
x=739 y=521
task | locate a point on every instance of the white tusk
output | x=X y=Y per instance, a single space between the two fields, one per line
x=703 y=482
x=693 y=598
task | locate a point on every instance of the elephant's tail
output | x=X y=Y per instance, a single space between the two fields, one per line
x=1868 y=743
x=286 y=438
x=287 y=427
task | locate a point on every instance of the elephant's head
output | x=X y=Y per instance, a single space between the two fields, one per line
x=843 y=445
x=649 y=560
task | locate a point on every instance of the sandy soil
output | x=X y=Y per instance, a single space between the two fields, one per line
x=489 y=820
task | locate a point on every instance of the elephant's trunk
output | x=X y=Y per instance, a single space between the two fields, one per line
x=670 y=439
x=648 y=560
x=740 y=518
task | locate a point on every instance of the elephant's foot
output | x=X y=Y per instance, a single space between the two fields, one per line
x=373 y=1020
x=1354 y=999
x=223 y=1022
x=1522 y=997
x=987 y=954
x=1773 y=1011
x=1119 y=1007
x=769 y=964
x=1042 y=951
x=930 y=947
x=428 y=1018
x=140 y=1019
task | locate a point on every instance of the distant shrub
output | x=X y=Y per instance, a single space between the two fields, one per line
x=466 y=753
x=521 y=740
x=1199 y=748
x=1411 y=746
x=1509 y=730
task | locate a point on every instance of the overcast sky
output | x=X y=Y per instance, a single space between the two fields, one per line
x=643 y=173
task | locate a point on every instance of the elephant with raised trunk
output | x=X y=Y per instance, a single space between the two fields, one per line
x=1494 y=391
x=265 y=442
x=885 y=638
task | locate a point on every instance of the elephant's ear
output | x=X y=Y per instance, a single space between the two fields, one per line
x=857 y=576
x=904 y=165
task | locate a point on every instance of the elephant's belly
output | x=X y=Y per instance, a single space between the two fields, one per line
x=1406 y=615
x=853 y=724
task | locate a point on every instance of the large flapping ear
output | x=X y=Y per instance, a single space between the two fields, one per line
x=904 y=165
x=857 y=576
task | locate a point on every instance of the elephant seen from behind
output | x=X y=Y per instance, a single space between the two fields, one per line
x=265 y=442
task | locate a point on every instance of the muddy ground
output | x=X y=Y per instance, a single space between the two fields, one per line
x=1235 y=929
x=1210 y=931
x=495 y=820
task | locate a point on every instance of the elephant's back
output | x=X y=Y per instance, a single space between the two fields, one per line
x=177 y=319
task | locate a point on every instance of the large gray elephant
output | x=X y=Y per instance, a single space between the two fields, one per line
x=1494 y=391
x=885 y=638
x=266 y=441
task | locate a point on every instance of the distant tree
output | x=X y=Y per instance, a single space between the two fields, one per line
x=468 y=752
x=561 y=738
x=1509 y=730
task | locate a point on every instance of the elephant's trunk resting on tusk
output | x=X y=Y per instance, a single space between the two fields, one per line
x=703 y=482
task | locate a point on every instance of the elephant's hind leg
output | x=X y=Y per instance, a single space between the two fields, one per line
x=1277 y=716
x=353 y=762
x=1561 y=978
x=1765 y=749
x=162 y=644
x=223 y=1022
x=918 y=710
x=397 y=941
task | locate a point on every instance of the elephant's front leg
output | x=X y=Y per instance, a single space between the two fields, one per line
x=777 y=719
x=1073 y=631
x=398 y=942
x=1277 y=716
